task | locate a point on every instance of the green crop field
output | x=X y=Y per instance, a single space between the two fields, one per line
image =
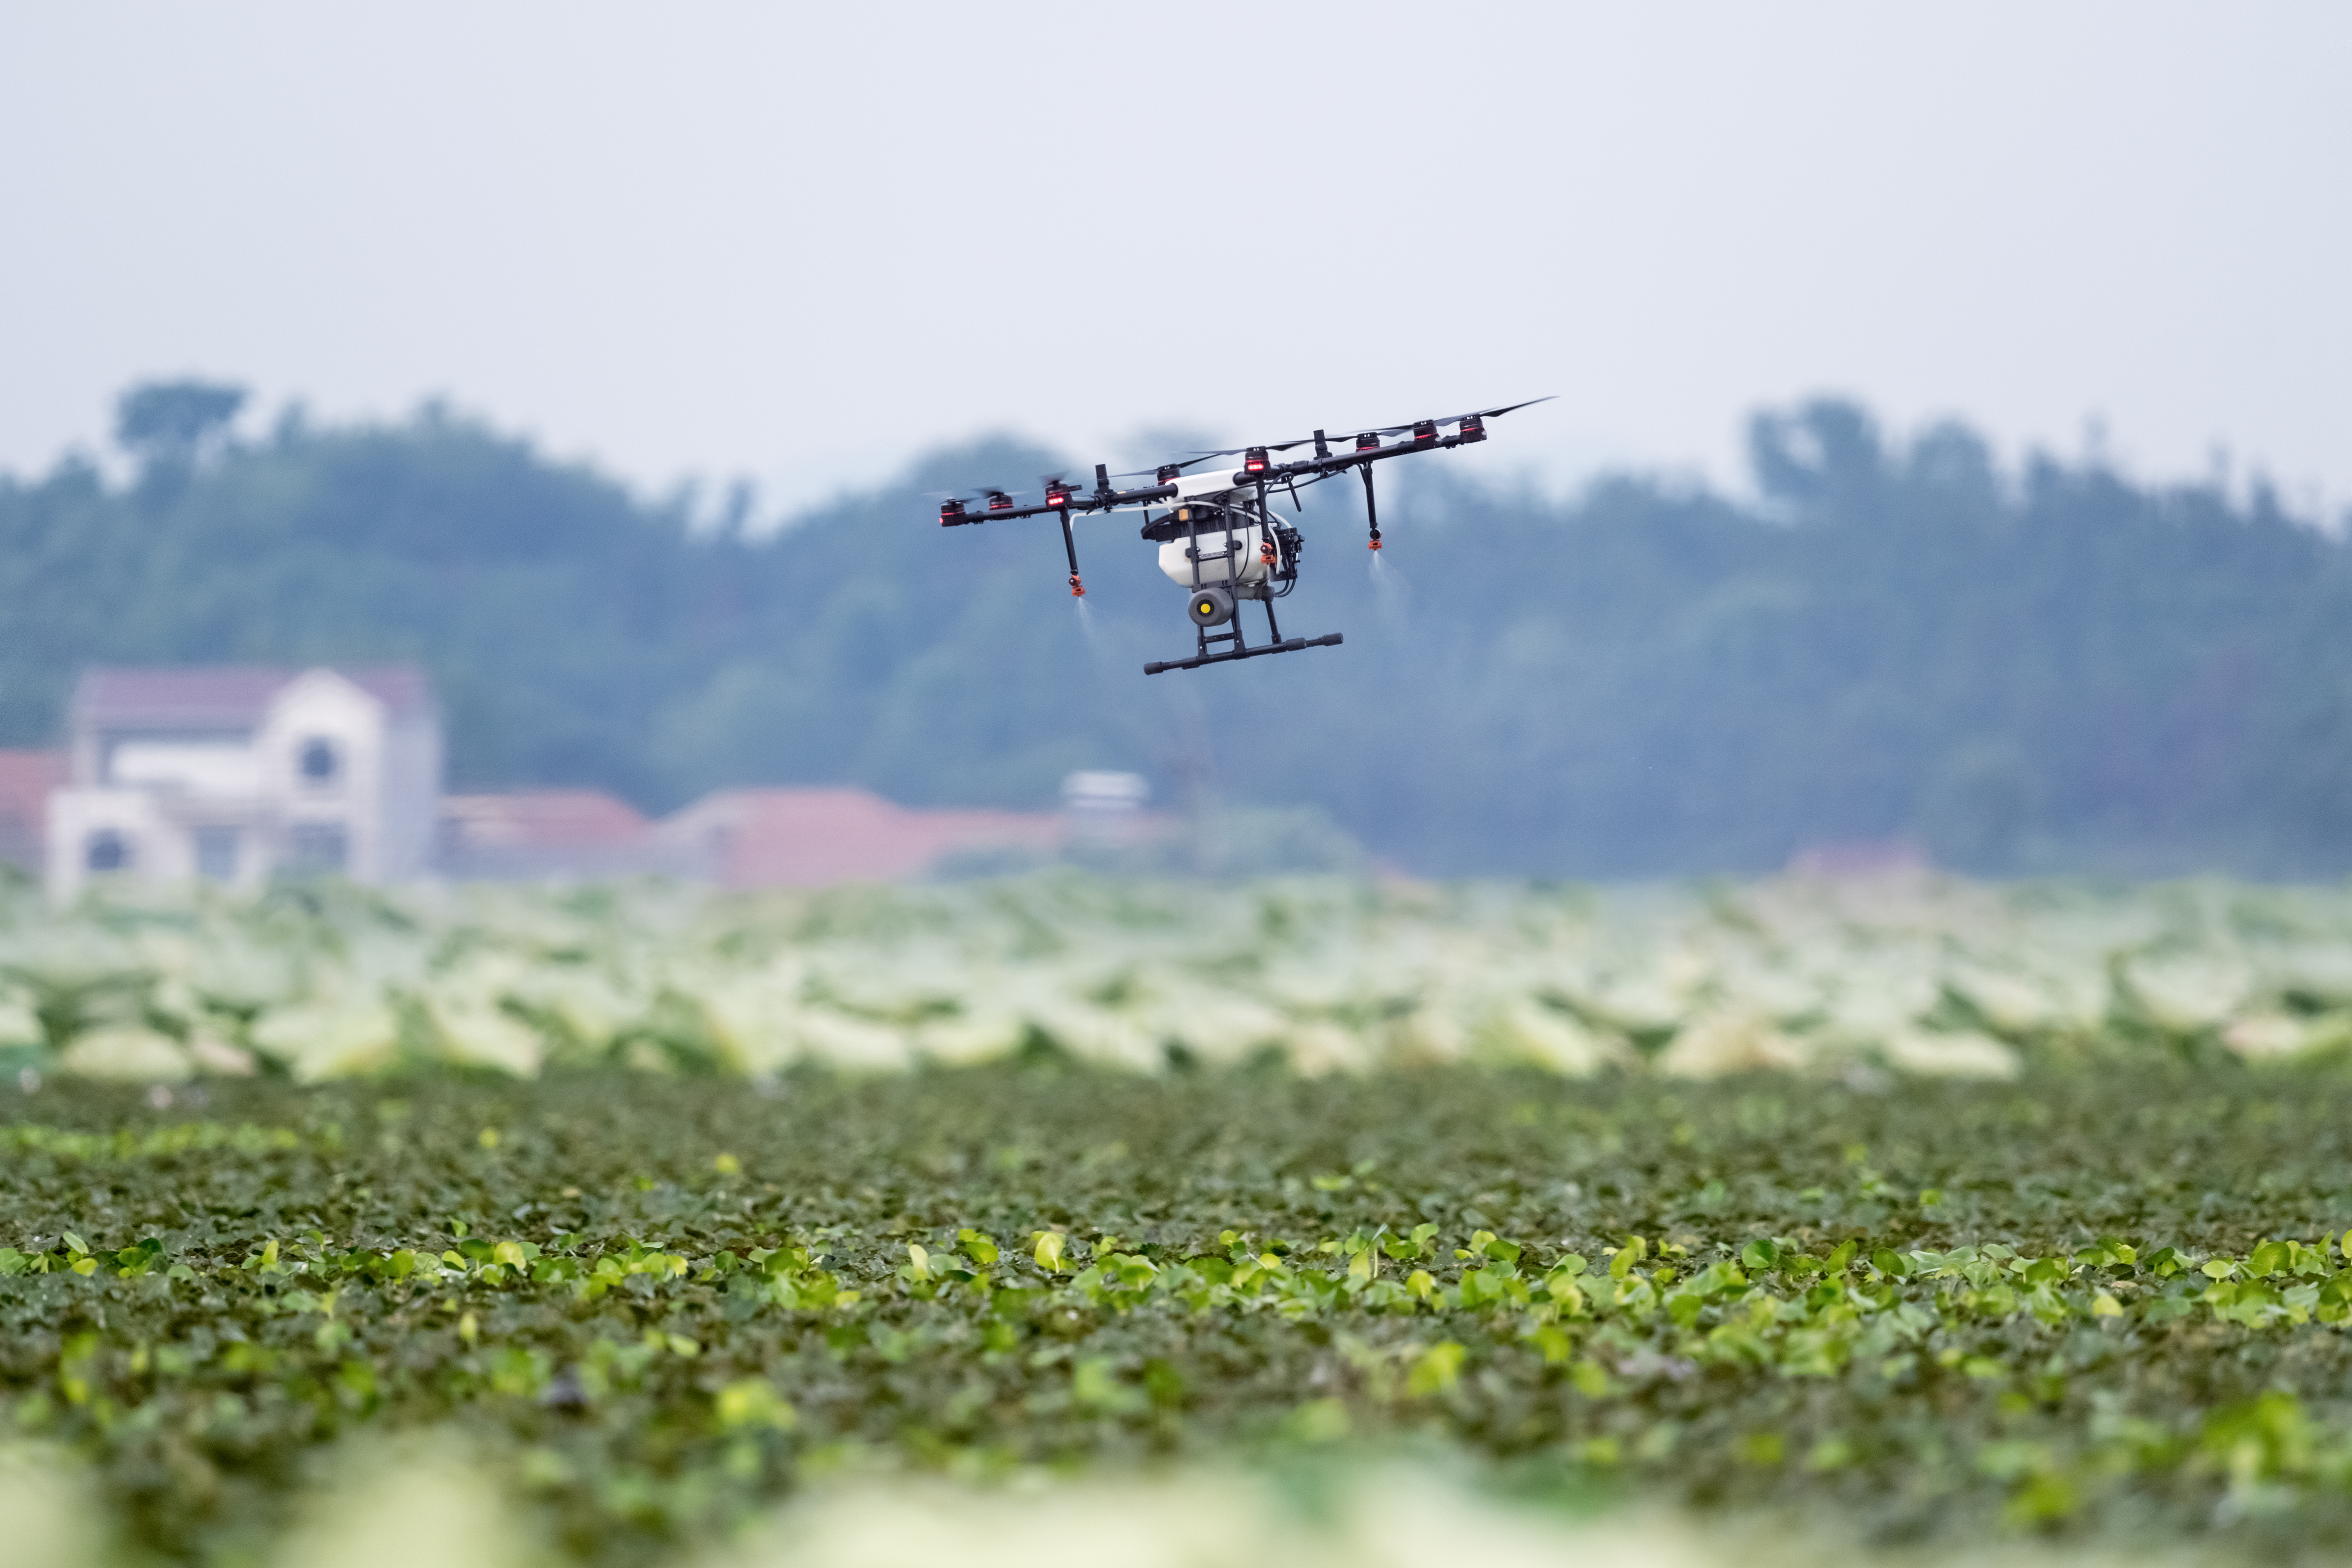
x=1935 y=1215
x=2089 y=1302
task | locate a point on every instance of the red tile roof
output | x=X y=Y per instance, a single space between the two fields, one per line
x=812 y=838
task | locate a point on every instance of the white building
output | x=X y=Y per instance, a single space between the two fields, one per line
x=1106 y=810
x=236 y=775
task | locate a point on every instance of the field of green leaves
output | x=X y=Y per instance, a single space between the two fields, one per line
x=1905 y=975
x=1919 y=1215
x=2105 y=1304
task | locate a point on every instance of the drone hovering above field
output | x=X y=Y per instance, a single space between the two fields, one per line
x=1217 y=535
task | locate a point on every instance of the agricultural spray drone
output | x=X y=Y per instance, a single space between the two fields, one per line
x=1217 y=535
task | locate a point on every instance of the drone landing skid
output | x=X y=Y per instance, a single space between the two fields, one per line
x=1293 y=645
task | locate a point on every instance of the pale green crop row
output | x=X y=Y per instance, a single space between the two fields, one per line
x=1907 y=974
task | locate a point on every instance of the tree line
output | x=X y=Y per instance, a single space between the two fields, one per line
x=2050 y=667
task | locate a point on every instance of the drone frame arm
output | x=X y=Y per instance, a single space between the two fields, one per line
x=1079 y=501
x=1338 y=462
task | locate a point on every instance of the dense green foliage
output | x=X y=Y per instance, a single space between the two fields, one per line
x=2077 y=1303
x=2050 y=669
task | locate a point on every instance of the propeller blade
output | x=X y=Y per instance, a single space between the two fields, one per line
x=1379 y=430
x=1474 y=414
x=1530 y=403
x=1268 y=446
x=1189 y=462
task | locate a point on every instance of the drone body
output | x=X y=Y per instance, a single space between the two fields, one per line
x=1219 y=536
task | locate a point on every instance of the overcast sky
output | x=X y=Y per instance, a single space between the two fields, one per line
x=803 y=243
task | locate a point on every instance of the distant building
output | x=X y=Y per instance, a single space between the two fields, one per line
x=736 y=838
x=237 y=774
x=1859 y=860
x=814 y=838
x=1106 y=809
x=548 y=834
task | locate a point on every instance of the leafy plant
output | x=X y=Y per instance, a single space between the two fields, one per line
x=2129 y=1310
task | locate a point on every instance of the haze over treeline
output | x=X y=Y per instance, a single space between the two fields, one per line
x=2048 y=668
